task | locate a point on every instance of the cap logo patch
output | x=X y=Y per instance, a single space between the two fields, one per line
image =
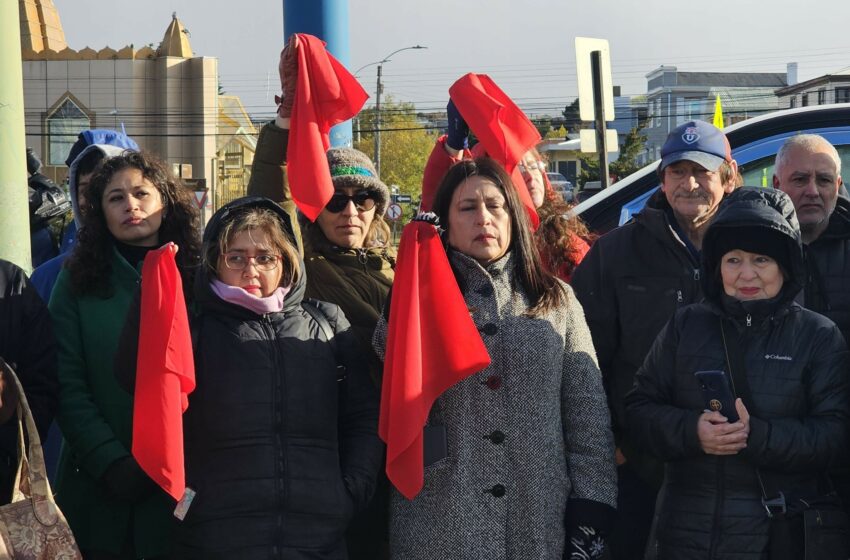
x=691 y=135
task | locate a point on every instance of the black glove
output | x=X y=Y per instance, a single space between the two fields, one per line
x=126 y=480
x=458 y=129
x=584 y=543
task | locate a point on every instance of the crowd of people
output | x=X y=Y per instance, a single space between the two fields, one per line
x=675 y=389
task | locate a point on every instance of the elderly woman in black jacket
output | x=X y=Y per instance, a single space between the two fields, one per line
x=794 y=362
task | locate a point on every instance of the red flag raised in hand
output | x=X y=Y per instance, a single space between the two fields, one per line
x=502 y=129
x=165 y=373
x=432 y=343
x=326 y=94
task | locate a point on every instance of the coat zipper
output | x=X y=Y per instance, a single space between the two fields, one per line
x=278 y=401
x=749 y=320
x=718 y=505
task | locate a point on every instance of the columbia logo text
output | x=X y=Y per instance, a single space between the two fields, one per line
x=778 y=357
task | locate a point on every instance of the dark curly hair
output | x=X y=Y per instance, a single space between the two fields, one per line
x=90 y=263
x=539 y=284
x=560 y=236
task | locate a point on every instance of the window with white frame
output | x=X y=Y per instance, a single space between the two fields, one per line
x=63 y=126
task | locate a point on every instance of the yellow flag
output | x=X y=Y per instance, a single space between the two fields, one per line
x=718 y=114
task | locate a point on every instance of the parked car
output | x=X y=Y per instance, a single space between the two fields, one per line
x=560 y=185
x=754 y=145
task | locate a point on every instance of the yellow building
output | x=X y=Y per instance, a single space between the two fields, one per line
x=165 y=98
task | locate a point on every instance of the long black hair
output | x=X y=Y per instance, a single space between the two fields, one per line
x=542 y=288
x=90 y=263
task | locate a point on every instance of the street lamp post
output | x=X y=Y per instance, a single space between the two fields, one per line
x=380 y=89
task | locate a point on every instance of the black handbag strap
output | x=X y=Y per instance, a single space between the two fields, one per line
x=738 y=375
x=735 y=363
x=313 y=310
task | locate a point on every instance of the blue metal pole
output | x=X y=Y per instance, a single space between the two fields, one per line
x=327 y=20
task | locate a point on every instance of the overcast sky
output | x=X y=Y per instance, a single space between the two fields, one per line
x=527 y=46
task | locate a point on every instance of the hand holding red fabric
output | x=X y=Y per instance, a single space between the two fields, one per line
x=326 y=94
x=502 y=129
x=288 y=71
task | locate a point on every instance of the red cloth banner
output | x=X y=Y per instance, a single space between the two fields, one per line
x=165 y=373
x=502 y=129
x=326 y=94
x=432 y=343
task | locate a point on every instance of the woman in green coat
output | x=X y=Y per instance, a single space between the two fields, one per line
x=114 y=509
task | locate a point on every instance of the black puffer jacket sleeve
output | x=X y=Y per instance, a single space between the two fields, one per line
x=819 y=438
x=361 y=450
x=666 y=431
x=27 y=344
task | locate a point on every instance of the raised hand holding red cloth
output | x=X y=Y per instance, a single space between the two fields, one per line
x=325 y=94
x=165 y=373
x=502 y=129
x=432 y=343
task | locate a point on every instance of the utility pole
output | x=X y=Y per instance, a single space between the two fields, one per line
x=380 y=90
x=598 y=103
x=378 y=122
x=14 y=204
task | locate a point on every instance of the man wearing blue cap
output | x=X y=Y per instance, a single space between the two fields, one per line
x=633 y=280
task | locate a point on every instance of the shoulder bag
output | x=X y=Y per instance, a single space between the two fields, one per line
x=32 y=527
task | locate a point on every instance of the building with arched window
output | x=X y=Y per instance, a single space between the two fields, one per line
x=166 y=98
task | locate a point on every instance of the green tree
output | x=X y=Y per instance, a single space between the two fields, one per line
x=543 y=125
x=572 y=121
x=633 y=146
x=405 y=144
x=556 y=133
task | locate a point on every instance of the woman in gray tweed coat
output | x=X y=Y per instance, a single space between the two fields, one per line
x=529 y=472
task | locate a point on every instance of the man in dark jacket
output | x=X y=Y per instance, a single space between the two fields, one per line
x=808 y=170
x=28 y=346
x=630 y=284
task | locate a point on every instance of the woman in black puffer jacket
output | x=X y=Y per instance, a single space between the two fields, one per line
x=278 y=450
x=795 y=362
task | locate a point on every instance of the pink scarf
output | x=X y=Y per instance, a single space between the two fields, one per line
x=259 y=305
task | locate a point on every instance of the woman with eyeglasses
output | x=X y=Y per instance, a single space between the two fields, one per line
x=348 y=259
x=132 y=206
x=280 y=433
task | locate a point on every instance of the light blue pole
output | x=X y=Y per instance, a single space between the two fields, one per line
x=327 y=20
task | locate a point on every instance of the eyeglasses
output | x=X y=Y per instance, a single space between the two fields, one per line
x=535 y=166
x=239 y=261
x=363 y=200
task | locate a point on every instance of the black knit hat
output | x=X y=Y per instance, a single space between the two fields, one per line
x=753 y=239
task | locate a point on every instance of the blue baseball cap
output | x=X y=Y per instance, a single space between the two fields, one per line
x=699 y=142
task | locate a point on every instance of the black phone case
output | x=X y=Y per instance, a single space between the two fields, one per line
x=717 y=393
x=435 y=446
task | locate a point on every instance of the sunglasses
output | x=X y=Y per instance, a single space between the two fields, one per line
x=363 y=200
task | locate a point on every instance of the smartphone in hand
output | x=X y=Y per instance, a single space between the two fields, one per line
x=717 y=393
